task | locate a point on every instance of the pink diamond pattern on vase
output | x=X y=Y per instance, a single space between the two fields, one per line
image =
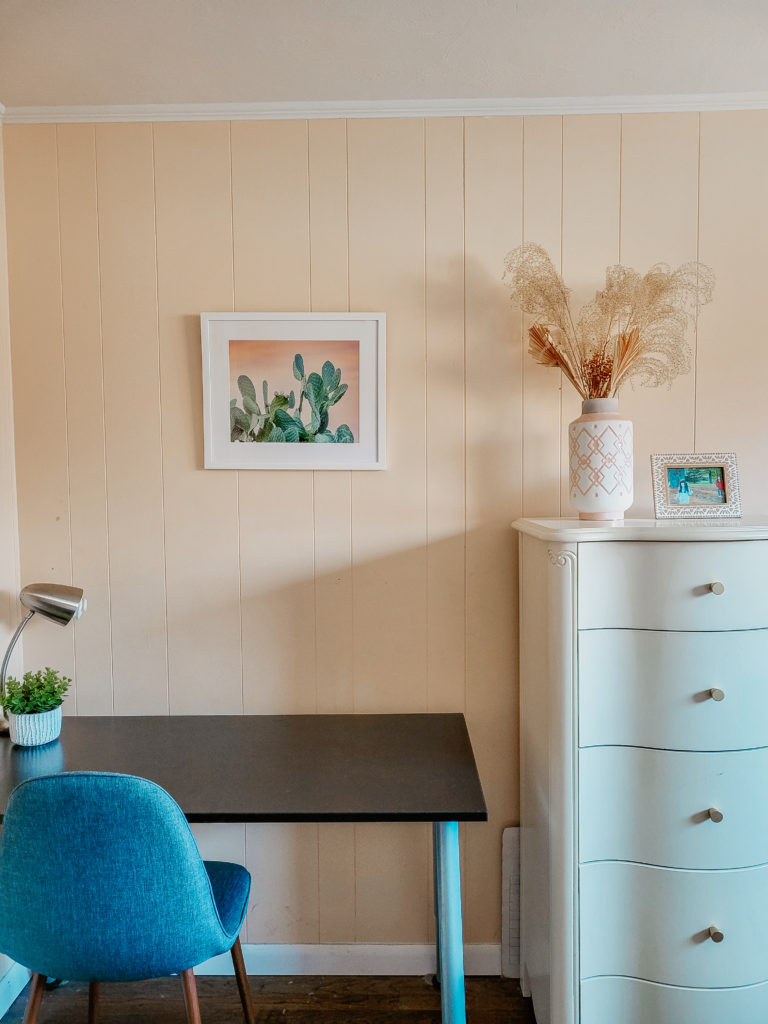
x=602 y=461
x=601 y=464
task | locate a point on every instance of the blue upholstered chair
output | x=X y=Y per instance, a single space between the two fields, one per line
x=101 y=880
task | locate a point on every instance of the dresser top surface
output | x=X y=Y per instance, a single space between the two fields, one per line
x=583 y=531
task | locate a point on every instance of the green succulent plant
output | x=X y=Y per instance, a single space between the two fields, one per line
x=278 y=423
x=250 y=423
x=38 y=691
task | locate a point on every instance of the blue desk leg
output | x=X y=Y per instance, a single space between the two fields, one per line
x=450 y=943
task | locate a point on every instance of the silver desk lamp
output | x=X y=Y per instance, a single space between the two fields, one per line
x=53 y=601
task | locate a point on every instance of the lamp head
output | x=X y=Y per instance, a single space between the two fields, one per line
x=54 y=601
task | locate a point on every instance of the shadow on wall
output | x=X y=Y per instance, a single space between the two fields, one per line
x=9 y=607
x=192 y=369
x=353 y=638
x=11 y=614
x=423 y=628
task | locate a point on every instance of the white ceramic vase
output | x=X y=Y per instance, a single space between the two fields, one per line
x=36 y=729
x=601 y=471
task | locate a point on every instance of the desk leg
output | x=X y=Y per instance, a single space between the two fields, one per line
x=436 y=902
x=450 y=943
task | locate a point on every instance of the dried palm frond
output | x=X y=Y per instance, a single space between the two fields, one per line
x=628 y=351
x=542 y=346
x=633 y=330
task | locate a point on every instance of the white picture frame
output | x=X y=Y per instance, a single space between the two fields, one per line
x=338 y=423
x=698 y=485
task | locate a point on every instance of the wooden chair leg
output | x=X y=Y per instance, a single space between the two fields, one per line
x=190 y=996
x=93 y=1002
x=242 y=982
x=35 y=998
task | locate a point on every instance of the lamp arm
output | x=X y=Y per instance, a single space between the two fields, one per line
x=11 y=645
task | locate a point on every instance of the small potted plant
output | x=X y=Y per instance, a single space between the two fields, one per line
x=33 y=706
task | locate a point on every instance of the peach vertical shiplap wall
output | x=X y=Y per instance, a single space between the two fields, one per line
x=193 y=203
x=389 y=509
x=658 y=224
x=85 y=403
x=542 y=223
x=39 y=381
x=271 y=257
x=392 y=591
x=9 y=549
x=334 y=654
x=9 y=544
x=125 y=187
x=590 y=230
x=731 y=410
x=493 y=387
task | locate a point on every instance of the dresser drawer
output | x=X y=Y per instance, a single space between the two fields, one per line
x=651 y=806
x=651 y=689
x=653 y=923
x=636 y=585
x=630 y=1001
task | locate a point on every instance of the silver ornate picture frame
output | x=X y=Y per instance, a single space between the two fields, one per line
x=699 y=485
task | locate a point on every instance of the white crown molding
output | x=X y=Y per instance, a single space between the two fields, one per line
x=385 y=108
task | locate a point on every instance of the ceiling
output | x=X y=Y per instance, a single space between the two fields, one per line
x=106 y=52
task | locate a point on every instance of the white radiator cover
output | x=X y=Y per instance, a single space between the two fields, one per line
x=510 y=903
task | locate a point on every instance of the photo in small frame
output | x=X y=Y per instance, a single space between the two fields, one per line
x=698 y=485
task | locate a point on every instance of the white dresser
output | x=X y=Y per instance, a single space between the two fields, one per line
x=644 y=771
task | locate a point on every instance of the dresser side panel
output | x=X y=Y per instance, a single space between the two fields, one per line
x=534 y=780
x=547 y=658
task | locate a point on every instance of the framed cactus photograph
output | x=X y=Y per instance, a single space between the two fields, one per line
x=293 y=390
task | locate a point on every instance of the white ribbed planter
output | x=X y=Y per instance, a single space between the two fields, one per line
x=601 y=472
x=36 y=729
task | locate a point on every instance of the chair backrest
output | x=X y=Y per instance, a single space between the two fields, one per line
x=101 y=879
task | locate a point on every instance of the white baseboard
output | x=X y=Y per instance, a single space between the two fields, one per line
x=357 y=958
x=11 y=984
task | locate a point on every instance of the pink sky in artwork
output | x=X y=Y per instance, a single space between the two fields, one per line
x=273 y=361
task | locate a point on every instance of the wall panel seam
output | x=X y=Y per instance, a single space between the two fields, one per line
x=464 y=394
x=427 y=461
x=160 y=418
x=104 y=420
x=238 y=520
x=698 y=251
x=562 y=235
x=523 y=361
x=66 y=392
x=313 y=475
x=309 y=221
x=621 y=178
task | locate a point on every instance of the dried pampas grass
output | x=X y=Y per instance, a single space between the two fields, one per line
x=633 y=330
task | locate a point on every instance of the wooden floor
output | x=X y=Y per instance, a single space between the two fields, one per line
x=298 y=1000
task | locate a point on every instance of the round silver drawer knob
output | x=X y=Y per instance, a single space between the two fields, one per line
x=715 y=934
x=715 y=815
x=717 y=694
x=717 y=588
